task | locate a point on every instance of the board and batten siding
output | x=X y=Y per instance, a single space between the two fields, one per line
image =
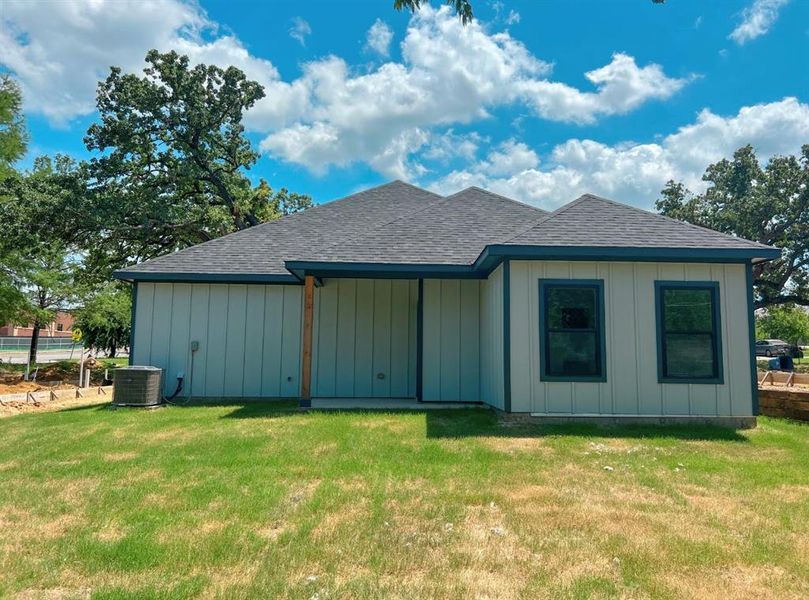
x=249 y=337
x=491 y=339
x=364 y=338
x=451 y=344
x=631 y=343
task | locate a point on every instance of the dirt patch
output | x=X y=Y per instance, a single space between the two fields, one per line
x=110 y=534
x=13 y=408
x=272 y=531
x=495 y=555
x=59 y=593
x=738 y=581
x=59 y=374
x=120 y=456
x=514 y=445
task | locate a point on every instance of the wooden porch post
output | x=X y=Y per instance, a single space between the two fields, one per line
x=306 y=359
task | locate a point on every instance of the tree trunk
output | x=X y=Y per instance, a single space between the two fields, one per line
x=113 y=349
x=32 y=351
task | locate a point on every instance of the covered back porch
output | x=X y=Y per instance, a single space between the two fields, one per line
x=401 y=342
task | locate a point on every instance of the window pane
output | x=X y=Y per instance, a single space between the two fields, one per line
x=689 y=356
x=572 y=354
x=571 y=308
x=688 y=310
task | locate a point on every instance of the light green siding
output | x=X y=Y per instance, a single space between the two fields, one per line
x=364 y=339
x=249 y=337
x=631 y=339
x=491 y=339
x=451 y=345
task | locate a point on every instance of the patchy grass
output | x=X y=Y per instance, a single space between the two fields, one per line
x=264 y=501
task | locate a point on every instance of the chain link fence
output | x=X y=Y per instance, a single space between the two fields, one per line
x=14 y=349
x=22 y=344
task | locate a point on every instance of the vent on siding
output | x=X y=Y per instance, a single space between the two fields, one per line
x=137 y=386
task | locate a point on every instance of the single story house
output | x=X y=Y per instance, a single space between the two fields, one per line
x=596 y=309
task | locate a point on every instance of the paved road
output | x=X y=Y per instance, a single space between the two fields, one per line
x=44 y=356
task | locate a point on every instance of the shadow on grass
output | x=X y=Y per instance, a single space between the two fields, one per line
x=445 y=426
x=480 y=422
x=454 y=423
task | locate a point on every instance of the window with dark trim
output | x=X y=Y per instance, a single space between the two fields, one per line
x=571 y=330
x=689 y=332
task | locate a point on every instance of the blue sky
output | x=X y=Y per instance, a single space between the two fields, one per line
x=540 y=101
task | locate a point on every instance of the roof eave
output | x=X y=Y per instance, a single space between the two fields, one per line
x=145 y=276
x=492 y=255
x=366 y=270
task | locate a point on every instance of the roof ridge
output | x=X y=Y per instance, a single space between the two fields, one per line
x=287 y=217
x=678 y=221
x=359 y=236
x=501 y=196
x=549 y=216
x=590 y=196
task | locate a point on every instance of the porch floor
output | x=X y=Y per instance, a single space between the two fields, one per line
x=386 y=404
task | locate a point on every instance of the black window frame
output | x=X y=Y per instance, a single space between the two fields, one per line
x=717 y=376
x=599 y=330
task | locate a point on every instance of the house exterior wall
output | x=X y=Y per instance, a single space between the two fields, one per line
x=364 y=338
x=491 y=339
x=631 y=387
x=249 y=337
x=451 y=343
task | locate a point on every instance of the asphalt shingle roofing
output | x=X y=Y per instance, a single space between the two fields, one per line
x=594 y=221
x=401 y=224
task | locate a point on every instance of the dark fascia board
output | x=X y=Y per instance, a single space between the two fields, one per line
x=486 y=262
x=288 y=279
x=382 y=270
x=493 y=254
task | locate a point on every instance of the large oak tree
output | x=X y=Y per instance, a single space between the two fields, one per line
x=767 y=204
x=172 y=161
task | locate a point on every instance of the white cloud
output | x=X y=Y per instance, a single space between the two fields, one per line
x=331 y=115
x=510 y=157
x=299 y=30
x=633 y=172
x=757 y=19
x=450 y=74
x=513 y=17
x=60 y=50
x=379 y=38
x=449 y=145
x=622 y=86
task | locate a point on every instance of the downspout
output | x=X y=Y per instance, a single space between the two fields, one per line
x=132 y=322
x=507 y=335
x=751 y=325
x=420 y=342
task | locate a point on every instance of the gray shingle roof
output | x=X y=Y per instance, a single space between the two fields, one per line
x=594 y=221
x=398 y=223
x=263 y=249
x=451 y=231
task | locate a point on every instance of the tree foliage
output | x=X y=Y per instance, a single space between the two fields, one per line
x=13 y=135
x=104 y=320
x=47 y=279
x=13 y=139
x=172 y=159
x=767 y=204
x=462 y=8
x=786 y=322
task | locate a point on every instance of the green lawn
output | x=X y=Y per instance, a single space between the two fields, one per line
x=265 y=501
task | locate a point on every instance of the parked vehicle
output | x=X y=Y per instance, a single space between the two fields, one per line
x=772 y=348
